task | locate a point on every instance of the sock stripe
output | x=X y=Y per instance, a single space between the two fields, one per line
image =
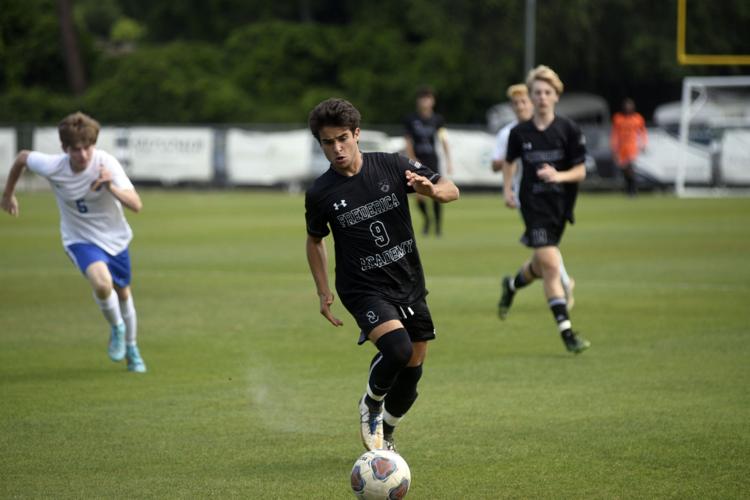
x=557 y=301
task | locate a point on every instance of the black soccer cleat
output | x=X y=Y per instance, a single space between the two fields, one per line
x=573 y=343
x=506 y=299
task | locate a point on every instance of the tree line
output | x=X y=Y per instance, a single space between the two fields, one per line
x=254 y=61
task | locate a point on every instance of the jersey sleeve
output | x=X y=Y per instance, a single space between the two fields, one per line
x=439 y=122
x=317 y=225
x=43 y=164
x=119 y=177
x=501 y=145
x=576 y=147
x=403 y=164
x=408 y=127
x=514 y=145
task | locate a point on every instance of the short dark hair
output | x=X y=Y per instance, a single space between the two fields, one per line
x=333 y=112
x=425 y=91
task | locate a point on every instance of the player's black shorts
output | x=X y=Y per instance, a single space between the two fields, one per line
x=543 y=228
x=536 y=237
x=369 y=311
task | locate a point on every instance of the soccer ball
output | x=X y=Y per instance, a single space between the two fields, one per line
x=380 y=475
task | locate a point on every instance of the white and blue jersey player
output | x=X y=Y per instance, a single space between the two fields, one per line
x=91 y=187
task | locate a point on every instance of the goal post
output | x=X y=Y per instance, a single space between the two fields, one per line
x=720 y=105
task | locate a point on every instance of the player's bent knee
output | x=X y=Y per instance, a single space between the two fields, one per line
x=122 y=293
x=396 y=346
x=99 y=277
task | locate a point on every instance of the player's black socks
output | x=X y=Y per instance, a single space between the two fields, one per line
x=437 y=208
x=422 y=205
x=403 y=393
x=395 y=351
x=559 y=309
x=519 y=281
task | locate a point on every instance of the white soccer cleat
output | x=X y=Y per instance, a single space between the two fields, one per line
x=370 y=426
x=569 y=299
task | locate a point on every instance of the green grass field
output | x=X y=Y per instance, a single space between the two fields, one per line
x=251 y=394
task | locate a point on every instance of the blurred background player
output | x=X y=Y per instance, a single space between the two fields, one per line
x=90 y=186
x=627 y=139
x=524 y=110
x=421 y=129
x=552 y=152
x=362 y=199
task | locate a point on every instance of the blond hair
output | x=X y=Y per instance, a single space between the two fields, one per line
x=516 y=89
x=545 y=74
x=78 y=128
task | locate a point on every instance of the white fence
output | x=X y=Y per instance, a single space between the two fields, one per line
x=235 y=156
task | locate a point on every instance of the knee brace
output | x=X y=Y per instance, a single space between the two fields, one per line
x=395 y=351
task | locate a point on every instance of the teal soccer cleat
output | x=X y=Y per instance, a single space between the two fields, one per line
x=135 y=361
x=116 y=348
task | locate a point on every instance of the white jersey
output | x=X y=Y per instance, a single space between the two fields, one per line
x=86 y=216
x=501 y=149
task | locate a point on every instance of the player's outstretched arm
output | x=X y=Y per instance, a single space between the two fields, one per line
x=443 y=191
x=317 y=258
x=128 y=197
x=8 y=201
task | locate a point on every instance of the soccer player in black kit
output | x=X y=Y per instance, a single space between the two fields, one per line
x=552 y=151
x=420 y=129
x=362 y=200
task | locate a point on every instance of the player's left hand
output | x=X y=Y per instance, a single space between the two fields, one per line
x=326 y=300
x=420 y=183
x=548 y=173
x=104 y=179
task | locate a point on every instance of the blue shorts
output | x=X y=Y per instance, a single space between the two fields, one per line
x=85 y=254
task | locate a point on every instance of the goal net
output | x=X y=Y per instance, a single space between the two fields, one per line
x=715 y=121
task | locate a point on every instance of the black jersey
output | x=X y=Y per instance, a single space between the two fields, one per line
x=422 y=132
x=369 y=216
x=563 y=146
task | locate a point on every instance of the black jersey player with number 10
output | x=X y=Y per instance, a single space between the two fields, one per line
x=362 y=200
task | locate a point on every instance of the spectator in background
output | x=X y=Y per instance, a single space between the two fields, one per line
x=421 y=129
x=627 y=140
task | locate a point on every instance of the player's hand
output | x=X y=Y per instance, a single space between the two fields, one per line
x=510 y=199
x=104 y=179
x=10 y=205
x=326 y=300
x=548 y=173
x=420 y=183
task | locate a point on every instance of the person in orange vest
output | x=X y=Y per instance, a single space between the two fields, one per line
x=627 y=140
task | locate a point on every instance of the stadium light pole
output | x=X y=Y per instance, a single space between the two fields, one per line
x=530 y=36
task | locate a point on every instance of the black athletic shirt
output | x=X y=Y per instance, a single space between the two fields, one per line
x=369 y=215
x=563 y=146
x=422 y=132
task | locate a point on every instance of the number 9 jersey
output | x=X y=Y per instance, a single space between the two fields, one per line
x=369 y=216
x=86 y=216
